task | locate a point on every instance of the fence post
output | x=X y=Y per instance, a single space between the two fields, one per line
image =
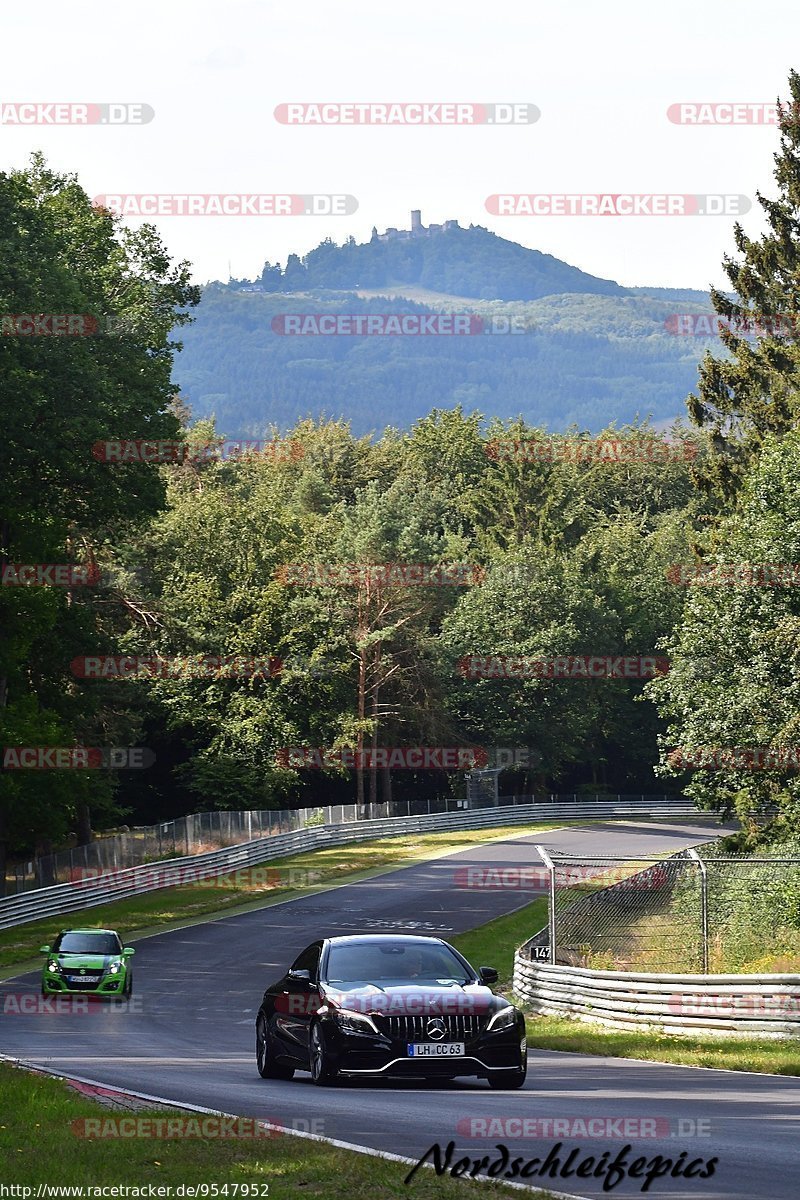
x=551 y=902
x=703 y=904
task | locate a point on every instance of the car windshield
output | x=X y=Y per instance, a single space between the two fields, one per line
x=394 y=963
x=87 y=943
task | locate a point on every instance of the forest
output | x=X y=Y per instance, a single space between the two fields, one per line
x=322 y=591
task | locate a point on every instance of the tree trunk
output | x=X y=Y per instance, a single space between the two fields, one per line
x=84 y=825
x=362 y=682
x=373 y=766
x=5 y=547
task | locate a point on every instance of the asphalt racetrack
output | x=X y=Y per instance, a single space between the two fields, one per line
x=189 y=1037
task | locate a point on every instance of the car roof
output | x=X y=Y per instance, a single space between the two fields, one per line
x=412 y=939
x=95 y=930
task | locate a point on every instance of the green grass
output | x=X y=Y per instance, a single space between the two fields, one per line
x=493 y=944
x=171 y=907
x=734 y=1054
x=38 y=1145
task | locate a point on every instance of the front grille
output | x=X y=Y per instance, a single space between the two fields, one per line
x=460 y=1027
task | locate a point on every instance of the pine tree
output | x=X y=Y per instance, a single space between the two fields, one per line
x=756 y=391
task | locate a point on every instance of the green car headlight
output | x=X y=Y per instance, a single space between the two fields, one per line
x=115 y=968
x=53 y=966
x=503 y=1019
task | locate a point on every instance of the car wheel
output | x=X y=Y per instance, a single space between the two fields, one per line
x=509 y=1079
x=128 y=989
x=267 y=1068
x=322 y=1072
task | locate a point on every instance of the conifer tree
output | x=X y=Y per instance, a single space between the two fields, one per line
x=756 y=391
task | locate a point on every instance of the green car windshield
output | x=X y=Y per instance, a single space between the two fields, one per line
x=87 y=943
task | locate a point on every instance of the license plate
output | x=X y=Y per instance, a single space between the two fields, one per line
x=436 y=1050
x=83 y=978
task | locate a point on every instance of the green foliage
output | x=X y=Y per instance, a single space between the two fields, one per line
x=735 y=677
x=575 y=554
x=462 y=262
x=59 y=395
x=587 y=359
x=752 y=391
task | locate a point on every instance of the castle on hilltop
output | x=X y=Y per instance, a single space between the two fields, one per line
x=417 y=229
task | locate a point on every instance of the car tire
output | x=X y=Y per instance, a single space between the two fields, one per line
x=323 y=1074
x=510 y=1080
x=267 y=1067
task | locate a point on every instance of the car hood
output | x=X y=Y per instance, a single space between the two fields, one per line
x=85 y=962
x=411 y=999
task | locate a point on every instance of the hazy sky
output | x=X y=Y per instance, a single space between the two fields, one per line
x=603 y=77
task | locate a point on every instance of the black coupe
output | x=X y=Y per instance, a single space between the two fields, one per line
x=376 y=1005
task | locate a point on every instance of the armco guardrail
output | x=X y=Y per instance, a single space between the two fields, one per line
x=132 y=881
x=215 y=829
x=754 y=1005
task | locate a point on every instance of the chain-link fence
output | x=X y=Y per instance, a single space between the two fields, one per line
x=200 y=832
x=695 y=912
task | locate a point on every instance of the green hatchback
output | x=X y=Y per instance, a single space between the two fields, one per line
x=87 y=962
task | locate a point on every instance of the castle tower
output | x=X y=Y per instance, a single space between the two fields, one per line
x=416 y=220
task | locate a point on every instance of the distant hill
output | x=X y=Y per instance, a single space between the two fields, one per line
x=461 y=262
x=591 y=352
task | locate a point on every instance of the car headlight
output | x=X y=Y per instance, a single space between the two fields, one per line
x=54 y=967
x=503 y=1019
x=114 y=969
x=355 y=1022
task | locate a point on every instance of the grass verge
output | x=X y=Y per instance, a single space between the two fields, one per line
x=39 y=1145
x=252 y=887
x=732 y=1054
x=494 y=944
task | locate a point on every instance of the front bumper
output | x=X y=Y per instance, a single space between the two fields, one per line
x=108 y=985
x=369 y=1054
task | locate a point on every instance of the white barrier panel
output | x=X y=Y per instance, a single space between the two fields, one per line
x=751 y=1005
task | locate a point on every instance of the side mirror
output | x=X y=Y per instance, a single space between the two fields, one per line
x=300 y=976
x=128 y=951
x=488 y=975
x=44 y=949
